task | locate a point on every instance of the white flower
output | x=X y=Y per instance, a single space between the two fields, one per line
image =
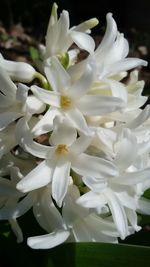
x=76 y=224
x=85 y=177
x=73 y=101
x=119 y=192
x=66 y=151
x=112 y=52
x=50 y=219
x=25 y=164
x=15 y=102
x=59 y=37
x=15 y=204
x=8 y=201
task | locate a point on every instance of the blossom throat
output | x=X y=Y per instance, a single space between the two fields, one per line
x=65 y=102
x=62 y=149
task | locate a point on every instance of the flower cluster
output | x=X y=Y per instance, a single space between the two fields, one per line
x=74 y=141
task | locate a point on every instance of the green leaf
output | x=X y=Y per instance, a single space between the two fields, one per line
x=99 y=255
x=34 y=53
x=144 y=219
x=147 y=193
x=72 y=254
x=75 y=255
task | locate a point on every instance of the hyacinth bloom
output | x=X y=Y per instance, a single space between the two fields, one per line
x=66 y=151
x=76 y=223
x=119 y=192
x=73 y=101
x=15 y=102
x=74 y=146
x=112 y=52
x=60 y=37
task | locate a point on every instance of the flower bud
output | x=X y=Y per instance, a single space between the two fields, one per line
x=18 y=71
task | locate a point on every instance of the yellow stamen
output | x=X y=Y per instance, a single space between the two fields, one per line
x=62 y=149
x=65 y=102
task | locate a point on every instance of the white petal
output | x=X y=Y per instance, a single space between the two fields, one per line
x=86 y=25
x=133 y=219
x=57 y=76
x=25 y=139
x=9 y=160
x=78 y=120
x=116 y=52
x=7 y=188
x=98 y=105
x=76 y=71
x=64 y=40
x=133 y=178
x=118 y=89
x=34 y=105
x=93 y=166
x=81 y=232
x=106 y=137
x=7 y=213
x=118 y=213
x=8 y=88
x=7 y=117
x=110 y=34
x=120 y=48
x=57 y=40
x=15 y=175
x=16 y=229
x=141 y=118
x=81 y=144
x=105 y=225
x=127 y=150
x=126 y=64
x=22 y=92
x=49 y=240
x=72 y=212
x=99 y=232
x=45 y=124
x=82 y=85
x=60 y=180
x=51 y=36
x=48 y=97
x=18 y=71
x=143 y=148
x=126 y=200
x=6 y=101
x=45 y=212
x=135 y=102
x=83 y=41
x=96 y=185
x=37 y=178
x=7 y=140
x=92 y=200
x=63 y=133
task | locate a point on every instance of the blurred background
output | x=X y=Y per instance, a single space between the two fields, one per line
x=23 y=25
x=129 y=13
x=35 y=13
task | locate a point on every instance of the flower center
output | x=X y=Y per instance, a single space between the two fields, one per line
x=65 y=102
x=62 y=149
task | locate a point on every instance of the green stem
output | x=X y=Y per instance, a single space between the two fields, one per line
x=45 y=84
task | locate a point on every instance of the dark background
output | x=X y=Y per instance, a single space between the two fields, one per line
x=23 y=24
x=35 y=13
